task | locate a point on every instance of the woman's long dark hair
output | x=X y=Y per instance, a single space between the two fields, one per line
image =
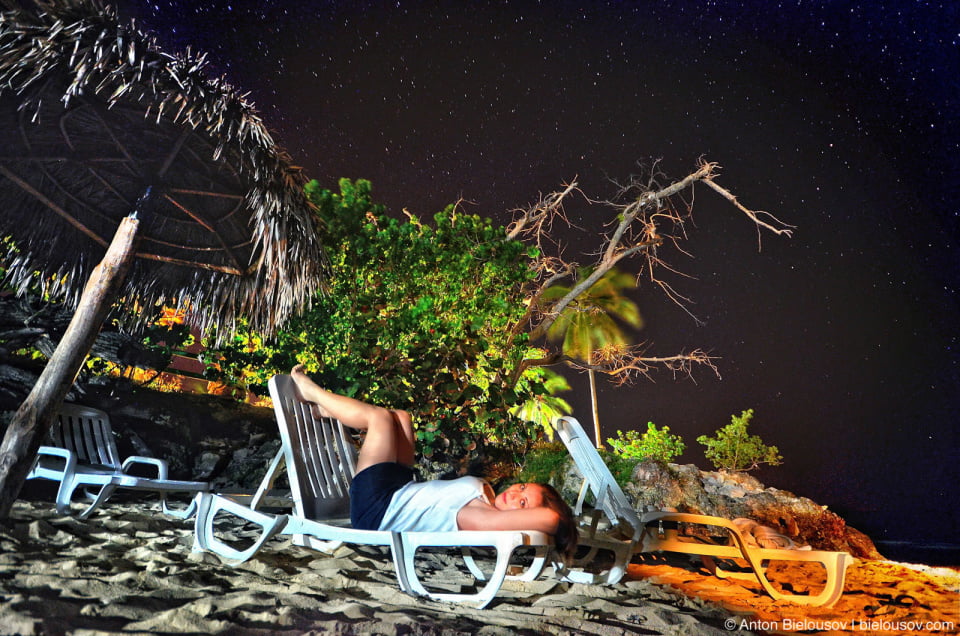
x=567 y=535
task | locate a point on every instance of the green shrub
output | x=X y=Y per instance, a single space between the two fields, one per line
x=547 y=463
x=657 y=444
x=416 y=314
x=735 y=450
x=544 y=464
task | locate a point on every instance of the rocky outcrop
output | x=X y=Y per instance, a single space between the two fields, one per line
x=685 y=488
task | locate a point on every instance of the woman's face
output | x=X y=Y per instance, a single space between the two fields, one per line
x=519 y=496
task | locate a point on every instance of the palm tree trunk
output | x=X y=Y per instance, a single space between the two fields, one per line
x=596 y=408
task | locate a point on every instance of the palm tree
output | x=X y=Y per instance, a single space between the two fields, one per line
x=542 y=409
x=589 y=327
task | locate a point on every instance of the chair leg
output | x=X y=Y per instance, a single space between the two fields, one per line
x=397 y=552
x=204 y=539
x=622 y=553
x=185 y=513
x=65 y=495
x=505 y=546
x=471 y=564
x=834 y=565
x=532 y=571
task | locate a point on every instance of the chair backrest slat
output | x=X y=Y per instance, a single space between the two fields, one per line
x=610 y=498
x=312 y=475
x=100 y=434
x=55 y=436
x=340 y=450
x=319 y=455
x=63 y=431
x=84 y=439
x=87 y=433
x=326 y=464
x=78 y=441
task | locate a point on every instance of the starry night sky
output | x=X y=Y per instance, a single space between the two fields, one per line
x=841 y=117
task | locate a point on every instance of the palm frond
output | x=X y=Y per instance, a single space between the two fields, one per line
x=588 y=327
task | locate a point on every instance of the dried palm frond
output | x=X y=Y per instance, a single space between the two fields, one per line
x=97 y=122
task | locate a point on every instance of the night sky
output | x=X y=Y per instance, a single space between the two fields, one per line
x=842 y=118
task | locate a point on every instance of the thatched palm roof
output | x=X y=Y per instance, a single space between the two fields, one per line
x=96 y=121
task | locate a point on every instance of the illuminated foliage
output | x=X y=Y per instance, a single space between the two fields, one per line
x=415 y=315
x=588 y=326
x=544 y=406
x=656 y=444
x=736 y=450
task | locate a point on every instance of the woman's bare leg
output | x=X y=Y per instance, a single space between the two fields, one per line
x=390 y=436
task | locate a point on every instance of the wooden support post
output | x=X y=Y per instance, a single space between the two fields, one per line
x=33 y=419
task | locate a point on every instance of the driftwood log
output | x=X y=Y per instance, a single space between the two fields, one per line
x=33 y=419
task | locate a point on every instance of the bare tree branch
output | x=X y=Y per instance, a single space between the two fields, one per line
x=539 y=217
x=630 y=363
x=650 y=224
x=781 y=228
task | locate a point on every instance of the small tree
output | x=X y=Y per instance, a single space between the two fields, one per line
x=588 y=329
x=656 y=444
x=734 y=449
x=543 y=406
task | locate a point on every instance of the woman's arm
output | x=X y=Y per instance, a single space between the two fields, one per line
x=478 y=515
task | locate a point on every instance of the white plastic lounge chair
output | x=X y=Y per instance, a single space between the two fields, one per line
x=82 y=453
x=320 y=463
x=647 y=533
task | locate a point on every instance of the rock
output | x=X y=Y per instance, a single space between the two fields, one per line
x=206 y=465
x=734 y=495
x=244 y=468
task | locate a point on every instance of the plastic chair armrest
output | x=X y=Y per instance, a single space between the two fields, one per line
x=54 y=451
x=161 y=465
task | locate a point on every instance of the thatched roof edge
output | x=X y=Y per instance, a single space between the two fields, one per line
x=120 y=64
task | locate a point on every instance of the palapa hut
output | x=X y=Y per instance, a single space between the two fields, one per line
x=115 y=152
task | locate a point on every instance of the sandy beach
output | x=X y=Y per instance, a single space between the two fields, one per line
x=130 y=570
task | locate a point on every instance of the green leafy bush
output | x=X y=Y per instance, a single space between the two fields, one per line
x=734 y=449
x=545 y=464
x=415 y=314
x=656 y=444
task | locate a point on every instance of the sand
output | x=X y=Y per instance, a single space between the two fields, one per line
x=129 y=569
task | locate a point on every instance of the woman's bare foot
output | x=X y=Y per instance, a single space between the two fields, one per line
x=297 y=372
x=307 y=388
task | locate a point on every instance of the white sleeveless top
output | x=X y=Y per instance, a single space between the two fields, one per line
x=432 y=506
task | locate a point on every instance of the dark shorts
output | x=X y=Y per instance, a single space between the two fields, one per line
x=371 y=491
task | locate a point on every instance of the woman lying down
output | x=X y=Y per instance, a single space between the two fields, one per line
x=384 y=495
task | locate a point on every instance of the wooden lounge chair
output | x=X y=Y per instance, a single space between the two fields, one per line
x=81 y=453
x=320 y=462
x=634 y=533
